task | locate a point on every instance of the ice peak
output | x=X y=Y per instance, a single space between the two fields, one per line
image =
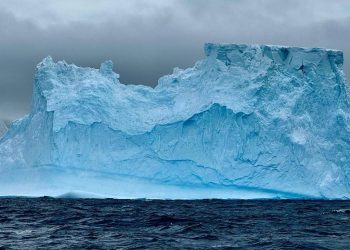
x=47 y=61
x=106 y=69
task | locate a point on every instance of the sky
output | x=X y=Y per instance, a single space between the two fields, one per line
x=146 y=38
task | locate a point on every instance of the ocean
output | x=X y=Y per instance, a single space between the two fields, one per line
x=49 y=223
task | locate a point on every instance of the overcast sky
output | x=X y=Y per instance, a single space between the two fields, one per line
x=147 y=39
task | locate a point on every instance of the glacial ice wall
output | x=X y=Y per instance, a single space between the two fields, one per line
x=245 y=122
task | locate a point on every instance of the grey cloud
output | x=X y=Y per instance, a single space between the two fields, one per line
x=148 y=41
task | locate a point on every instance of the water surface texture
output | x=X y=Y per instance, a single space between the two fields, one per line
x=46 y=223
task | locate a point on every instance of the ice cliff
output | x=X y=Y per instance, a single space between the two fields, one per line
x=245 y=122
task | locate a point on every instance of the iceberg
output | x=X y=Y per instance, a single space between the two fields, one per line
x=247 y=121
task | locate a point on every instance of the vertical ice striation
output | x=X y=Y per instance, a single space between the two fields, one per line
x=248 y=121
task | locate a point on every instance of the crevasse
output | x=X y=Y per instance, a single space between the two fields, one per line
x=247 y=121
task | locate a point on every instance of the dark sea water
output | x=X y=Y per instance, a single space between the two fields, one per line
x=47 y=223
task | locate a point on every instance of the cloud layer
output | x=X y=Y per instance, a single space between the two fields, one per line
x=146 y=39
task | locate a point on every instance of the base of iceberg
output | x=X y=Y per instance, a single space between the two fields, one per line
x=246 y=122
x=75 y=184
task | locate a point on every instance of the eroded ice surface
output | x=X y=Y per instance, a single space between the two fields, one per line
x=245 y=122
